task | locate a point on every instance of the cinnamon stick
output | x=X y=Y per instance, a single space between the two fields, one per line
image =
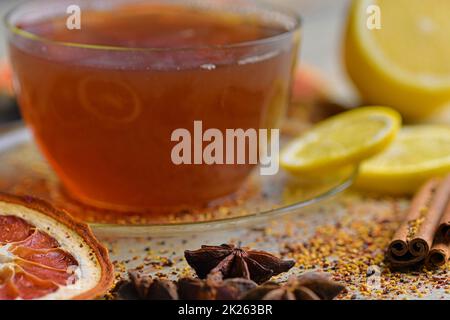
x=424 y=238
x=412 y=242
x=440 y=252
x=444 y=226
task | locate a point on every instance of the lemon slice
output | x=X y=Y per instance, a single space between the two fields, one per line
x=343 y=140
x=417 y=154
x=397 y=54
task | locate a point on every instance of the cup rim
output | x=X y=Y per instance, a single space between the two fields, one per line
x=11 y=27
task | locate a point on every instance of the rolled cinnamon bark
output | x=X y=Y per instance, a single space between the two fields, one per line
x=412 y=242
x=422 y=241
x=444 y=226
x=440 y=252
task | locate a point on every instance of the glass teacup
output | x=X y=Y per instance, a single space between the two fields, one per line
x=103 y=98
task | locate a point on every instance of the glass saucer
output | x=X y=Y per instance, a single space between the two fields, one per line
x=263 y=198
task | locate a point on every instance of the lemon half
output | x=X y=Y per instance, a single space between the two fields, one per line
x=398 y=54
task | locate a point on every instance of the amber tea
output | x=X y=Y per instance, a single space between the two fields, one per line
x=103 y=101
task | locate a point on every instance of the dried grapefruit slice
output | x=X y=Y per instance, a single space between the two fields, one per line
x=45 y=254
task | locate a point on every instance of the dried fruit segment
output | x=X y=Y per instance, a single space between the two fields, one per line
x=53 y=258
x=44 y=254
x=57 y=276
x=14 y=229
x=38 y=240
x=31 y=287
x=35 y=263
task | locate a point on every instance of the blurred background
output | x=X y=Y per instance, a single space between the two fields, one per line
x=323 y=25
x=320 y=54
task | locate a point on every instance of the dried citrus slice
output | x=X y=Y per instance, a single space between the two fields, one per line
x=45 y=254
x=341 y=141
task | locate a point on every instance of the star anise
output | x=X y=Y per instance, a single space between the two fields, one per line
x=236 y=262
x=148 y=288
x=234 y=289
x=142 y=286
x=124 y=290
x=309 y=286
x=198 y=289
x=195 y=289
